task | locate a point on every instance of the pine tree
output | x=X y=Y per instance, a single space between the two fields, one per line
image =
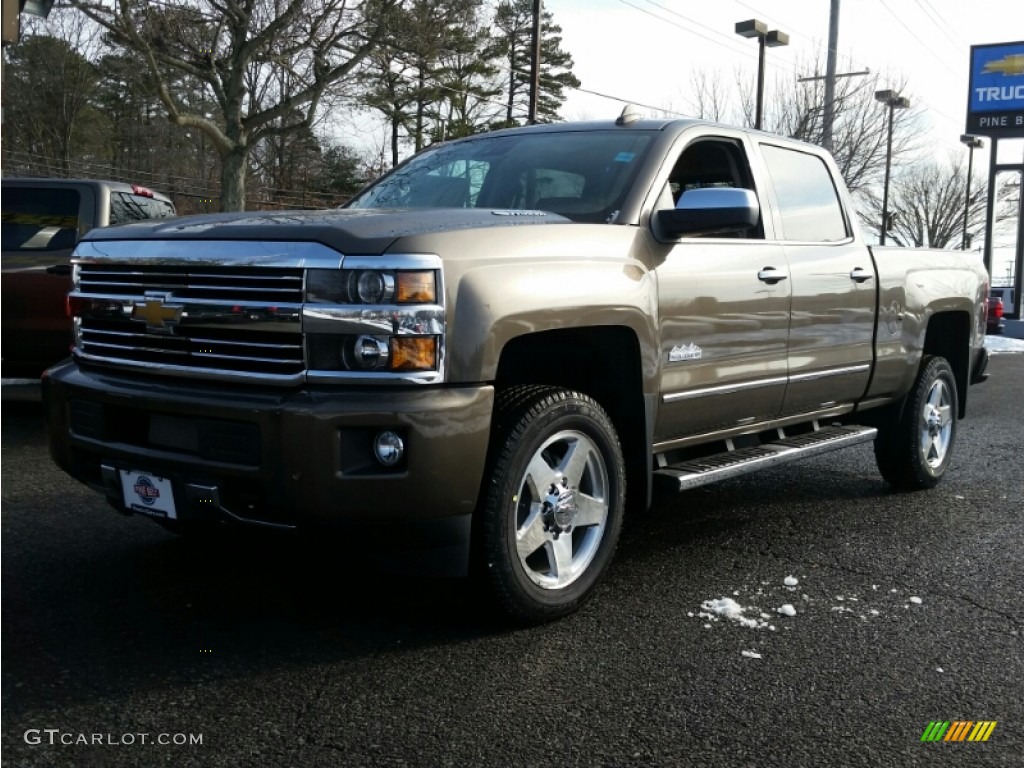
x=514 y=21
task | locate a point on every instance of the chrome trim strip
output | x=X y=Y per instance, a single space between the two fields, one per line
x=393 y=261
x=375 y=377
x=210 y=374
x=221 y=253
x=103 y=334
x=725 y=389
x=181 y=354
x=729 y=389
x=816 y=375
x=363 y=318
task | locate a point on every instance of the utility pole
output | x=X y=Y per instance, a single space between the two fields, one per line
x=830 y=76
x=535 y=63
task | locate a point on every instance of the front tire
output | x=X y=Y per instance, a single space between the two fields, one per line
x=913 y=452
x=552 y=504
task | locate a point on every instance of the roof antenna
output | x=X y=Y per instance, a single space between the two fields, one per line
x=630 y=114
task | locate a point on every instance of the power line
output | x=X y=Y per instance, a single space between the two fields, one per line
x=924 y=45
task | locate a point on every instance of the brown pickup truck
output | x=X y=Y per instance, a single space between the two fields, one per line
x=493 y=354
x=42 y=222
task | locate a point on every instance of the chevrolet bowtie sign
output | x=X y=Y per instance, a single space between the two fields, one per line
x=995 y=102
x=158 y=315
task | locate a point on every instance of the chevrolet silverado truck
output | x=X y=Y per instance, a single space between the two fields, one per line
x=490 y=357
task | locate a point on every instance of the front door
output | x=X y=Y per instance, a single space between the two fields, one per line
x=724 y=310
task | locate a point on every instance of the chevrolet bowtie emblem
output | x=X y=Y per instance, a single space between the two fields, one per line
x=1008 y=65
x=156 y=314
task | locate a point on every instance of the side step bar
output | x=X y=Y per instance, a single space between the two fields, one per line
x=722 y=466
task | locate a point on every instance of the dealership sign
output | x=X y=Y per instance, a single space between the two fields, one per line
x=995 y=102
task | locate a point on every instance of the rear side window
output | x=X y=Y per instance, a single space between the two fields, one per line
x=808 y=201
x=37 y=219
x=125 y=207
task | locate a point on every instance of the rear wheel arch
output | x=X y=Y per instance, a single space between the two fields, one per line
x=949 y=336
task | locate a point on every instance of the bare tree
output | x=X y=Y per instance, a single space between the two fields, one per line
x=709 y=100
x=796 y=110
x=860 y=128
x=267 y=64
x=929 y=200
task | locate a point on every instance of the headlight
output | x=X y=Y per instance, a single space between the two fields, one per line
x=371 y=286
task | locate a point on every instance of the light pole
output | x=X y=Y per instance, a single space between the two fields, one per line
x=772 y=39
x=893 y=101
x=973 y=143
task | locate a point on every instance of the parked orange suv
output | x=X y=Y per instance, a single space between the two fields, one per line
x=43 y=219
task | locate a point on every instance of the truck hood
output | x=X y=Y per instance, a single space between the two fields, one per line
x=359 y=231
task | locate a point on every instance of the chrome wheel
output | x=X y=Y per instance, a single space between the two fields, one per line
x=937 y=424
x=916 y=437
x=552 y=503
x=561 y=509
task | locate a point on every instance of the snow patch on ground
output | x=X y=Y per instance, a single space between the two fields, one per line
x=1002 y=345
x=874 y=604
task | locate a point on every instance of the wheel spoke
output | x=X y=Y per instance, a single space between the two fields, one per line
x=560 y=558
x=539 y=476
x=945 y=414
x=574 y=462
x=531 y=535
x=590 y=511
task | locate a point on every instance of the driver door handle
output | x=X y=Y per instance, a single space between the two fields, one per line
x=771 y=275
x=861 y=275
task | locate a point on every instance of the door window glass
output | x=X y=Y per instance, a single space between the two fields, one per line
x=808 y=202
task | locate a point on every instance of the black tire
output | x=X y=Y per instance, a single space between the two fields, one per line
x=552 y=501
x=914 y=448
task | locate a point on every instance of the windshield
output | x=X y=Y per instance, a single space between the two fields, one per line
x=582 y=175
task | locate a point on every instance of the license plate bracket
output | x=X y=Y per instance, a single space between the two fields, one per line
x=148 y=494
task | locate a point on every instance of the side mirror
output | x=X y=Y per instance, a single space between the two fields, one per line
x=711 y=211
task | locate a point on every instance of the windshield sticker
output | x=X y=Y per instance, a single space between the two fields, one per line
x=682 y=352
x=624 y=157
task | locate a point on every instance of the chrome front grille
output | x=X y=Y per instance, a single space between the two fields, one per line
x=233 y=320
x=242 y=310
x=224 y=286
x=239 y=350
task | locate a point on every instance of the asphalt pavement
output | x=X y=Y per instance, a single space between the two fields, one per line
x=907 y=610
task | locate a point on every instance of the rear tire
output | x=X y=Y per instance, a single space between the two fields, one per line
x=913 y=450
x=551 y=507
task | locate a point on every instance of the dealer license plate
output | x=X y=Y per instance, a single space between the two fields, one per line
x=148 y=494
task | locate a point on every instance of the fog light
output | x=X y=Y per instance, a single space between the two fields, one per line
x=368 y=353
x=389 y=448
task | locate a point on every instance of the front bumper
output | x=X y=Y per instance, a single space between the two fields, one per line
x=287 y=459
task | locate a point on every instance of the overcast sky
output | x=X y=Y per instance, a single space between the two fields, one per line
x=646 y=50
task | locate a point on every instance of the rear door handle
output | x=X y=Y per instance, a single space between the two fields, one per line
x=861 y=275
x=771 y=275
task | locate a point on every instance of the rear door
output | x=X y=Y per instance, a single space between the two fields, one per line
x=833 y=284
